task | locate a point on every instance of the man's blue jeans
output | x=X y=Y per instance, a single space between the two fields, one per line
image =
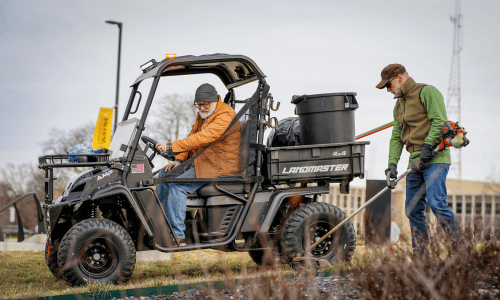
x=173 y=198
x=428 y=185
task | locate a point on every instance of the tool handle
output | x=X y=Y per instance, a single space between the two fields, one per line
x=390 y=183
x=395 y=181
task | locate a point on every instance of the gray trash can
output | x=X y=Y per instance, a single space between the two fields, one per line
x=326 y=118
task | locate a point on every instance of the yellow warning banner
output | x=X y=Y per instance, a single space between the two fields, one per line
x=102 y=133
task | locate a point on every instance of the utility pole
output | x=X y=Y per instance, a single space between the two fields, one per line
x=118 y=72
x=453 y=100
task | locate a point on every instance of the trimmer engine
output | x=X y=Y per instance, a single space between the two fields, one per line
x=453 y=135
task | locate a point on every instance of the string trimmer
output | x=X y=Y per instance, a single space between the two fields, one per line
x=453 y=135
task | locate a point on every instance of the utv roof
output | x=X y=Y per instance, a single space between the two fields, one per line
x=233 y=70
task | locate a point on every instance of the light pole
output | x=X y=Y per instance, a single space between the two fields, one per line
x=118 y=72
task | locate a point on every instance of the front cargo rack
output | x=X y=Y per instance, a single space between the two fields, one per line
x=62 y=160
x=49 y=162
x=321 y=163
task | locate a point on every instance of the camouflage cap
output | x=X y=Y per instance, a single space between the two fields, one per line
x=389 y=73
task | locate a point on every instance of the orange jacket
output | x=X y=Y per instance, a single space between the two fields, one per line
x=223 y=158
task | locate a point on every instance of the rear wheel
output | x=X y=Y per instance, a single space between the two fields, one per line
x=96 y=251
x=312 y=221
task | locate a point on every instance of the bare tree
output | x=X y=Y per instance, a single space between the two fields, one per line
x=61 y=141
x=18 y=180
x=172 y=118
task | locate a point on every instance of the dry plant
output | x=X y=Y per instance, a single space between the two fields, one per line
x=466 y=268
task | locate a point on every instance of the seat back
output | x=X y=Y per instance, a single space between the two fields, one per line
x=210 y=190
x=252 y=132
x=245 y=147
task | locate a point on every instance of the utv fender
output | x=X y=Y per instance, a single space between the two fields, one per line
x=121 y=190
x=148 y=209
x=278 y=200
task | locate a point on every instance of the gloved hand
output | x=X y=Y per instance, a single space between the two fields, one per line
x=394 y=171
x=169 y=152
x=426 y=155
x=415 y=164
x=165 y=148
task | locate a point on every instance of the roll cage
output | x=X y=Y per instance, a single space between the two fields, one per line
x=233 y=70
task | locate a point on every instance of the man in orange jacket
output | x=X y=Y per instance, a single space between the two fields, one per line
x=223 y=158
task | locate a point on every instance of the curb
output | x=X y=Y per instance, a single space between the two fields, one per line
x=22 y=246
x=144 y=292
x=149 y=255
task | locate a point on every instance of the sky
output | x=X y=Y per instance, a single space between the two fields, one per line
x=58 y=61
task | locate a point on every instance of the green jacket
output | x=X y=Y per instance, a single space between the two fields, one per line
x=418 y=118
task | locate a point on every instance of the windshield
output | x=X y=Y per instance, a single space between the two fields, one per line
x=123 y=136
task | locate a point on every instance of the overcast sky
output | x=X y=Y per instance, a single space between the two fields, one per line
x=58 y=60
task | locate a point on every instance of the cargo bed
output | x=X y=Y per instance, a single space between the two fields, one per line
x=322 y=163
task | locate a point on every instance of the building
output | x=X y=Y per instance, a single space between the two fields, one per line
x=475 y=203
x=349 y=203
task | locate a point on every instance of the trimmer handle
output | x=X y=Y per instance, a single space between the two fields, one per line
x=391 y=183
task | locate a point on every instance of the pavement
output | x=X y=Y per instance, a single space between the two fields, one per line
x=37 y=243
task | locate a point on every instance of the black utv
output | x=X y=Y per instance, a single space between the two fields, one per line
x=274 y=206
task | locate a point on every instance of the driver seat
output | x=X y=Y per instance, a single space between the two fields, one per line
x=209 y=190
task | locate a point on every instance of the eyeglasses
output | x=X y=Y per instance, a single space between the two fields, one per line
x=199 y=105
x=389 y=84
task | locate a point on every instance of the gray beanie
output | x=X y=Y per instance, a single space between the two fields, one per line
x=206 y=93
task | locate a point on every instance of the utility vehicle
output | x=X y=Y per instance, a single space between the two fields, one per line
x=272 y=209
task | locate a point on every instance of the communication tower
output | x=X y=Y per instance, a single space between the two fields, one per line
x=453 y=100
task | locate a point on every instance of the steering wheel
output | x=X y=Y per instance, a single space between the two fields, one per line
x=150 y=143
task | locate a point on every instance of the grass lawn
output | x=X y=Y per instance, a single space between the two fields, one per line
x=25 y=275
x=471 y=269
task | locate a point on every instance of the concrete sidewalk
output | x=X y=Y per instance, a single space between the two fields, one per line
x=37 y=242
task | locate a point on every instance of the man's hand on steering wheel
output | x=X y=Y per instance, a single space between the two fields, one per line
x=152 y=144
x=165 y=148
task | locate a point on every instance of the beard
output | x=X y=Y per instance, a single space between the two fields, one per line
x=203 y=115
x=397 y=92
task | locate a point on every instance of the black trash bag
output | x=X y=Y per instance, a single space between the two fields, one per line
x=287 y=133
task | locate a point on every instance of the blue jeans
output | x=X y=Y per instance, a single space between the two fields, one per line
x=429 y=185
x=173 y=198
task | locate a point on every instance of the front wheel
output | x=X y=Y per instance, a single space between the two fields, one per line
x=96 y=251
x=311 y=222
x=51 y=259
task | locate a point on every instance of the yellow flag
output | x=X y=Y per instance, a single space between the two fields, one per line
x=102 y=133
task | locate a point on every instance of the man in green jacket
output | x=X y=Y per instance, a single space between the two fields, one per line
x=419 y=114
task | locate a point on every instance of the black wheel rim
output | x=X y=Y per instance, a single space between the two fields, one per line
x=328 y=247
x=98 y=258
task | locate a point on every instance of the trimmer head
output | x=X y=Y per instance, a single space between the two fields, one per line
x=310 y=262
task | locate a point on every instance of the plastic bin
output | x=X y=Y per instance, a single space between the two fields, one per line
x=326 y=118
x=313 y=163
